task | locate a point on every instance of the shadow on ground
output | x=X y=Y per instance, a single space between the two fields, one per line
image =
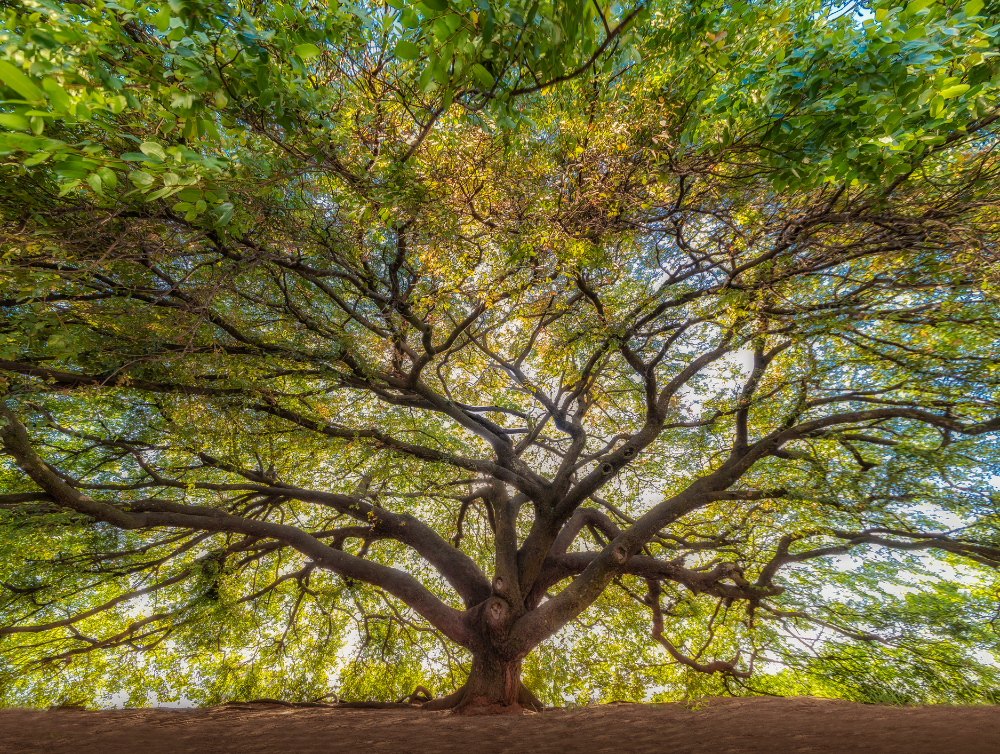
x=717 y=726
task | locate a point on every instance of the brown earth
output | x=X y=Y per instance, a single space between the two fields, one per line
x=717 y=726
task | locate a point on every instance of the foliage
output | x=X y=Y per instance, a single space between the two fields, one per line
x=345 y=345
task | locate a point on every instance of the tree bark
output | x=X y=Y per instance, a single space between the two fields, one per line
x=494 y=688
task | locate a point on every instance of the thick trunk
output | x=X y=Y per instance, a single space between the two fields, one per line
x=494 y=688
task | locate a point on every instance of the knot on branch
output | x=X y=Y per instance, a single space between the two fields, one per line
x=497 y=610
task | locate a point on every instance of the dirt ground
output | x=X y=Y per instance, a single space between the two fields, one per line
x=716 y=726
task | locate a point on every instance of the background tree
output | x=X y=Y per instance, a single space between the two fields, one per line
x=450 y=322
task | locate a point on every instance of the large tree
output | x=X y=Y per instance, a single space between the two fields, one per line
x=461 y=317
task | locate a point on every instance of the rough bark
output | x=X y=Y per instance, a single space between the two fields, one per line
x=494 y=688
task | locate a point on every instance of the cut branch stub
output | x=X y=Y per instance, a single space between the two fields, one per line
x=497 y=611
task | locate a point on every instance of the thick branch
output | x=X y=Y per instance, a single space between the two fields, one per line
x=157 y=513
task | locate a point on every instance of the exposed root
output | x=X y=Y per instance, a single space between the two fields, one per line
x=419 y=695
x=528 y=700
x=458 y=702
x=450 y=701
x=420 y=698
x=280 y=702
x=327 y=705
x=481 y=705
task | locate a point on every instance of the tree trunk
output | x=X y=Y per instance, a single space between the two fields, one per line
x=494 y=688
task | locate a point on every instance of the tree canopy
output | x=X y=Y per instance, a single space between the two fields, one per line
x=635 y=350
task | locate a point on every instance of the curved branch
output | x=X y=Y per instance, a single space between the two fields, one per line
x=719 y=666
x=99 y=609
x=611 y=36
x=156 y=513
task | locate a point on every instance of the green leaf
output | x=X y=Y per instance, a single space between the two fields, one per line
x=58 y=96
x=20 y=83
x=141 y=179
x=37 y=158
x=438 y=5
x=107 y=176
x=153 y=149
x=484 y=77
x=954 y=91
x=167 y=191
x=918 y=5
x=162 y=19
x=307 y=50
x=425 y=80
x=225 y=213
x=134 y=157
x=14 y=122
x=972 y=8
x=95 y=183
x=408 y=18
x=406 y=50
x=67 y=187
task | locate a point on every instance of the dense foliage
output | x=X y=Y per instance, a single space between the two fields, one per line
x=632 y=350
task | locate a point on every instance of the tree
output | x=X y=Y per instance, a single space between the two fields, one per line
x=675 y=300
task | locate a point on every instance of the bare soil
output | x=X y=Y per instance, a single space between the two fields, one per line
x=716 y=726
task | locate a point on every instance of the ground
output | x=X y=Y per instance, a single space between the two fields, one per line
x=716 y=726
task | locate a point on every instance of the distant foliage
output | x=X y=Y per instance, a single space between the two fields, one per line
x=637 y=351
